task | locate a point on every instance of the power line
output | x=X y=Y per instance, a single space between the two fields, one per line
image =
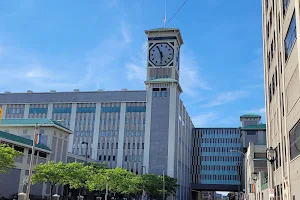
x=163 y=27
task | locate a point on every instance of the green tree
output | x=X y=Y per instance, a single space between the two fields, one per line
x=50 y=172
x=152 y=184
x=170 y=185
x=231 y=196
x=7 y=158
x=76 y=175
x=97 y=180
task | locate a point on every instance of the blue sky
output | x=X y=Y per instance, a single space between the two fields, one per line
x=94 y=44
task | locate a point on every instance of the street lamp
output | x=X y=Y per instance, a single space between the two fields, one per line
x=144 y=194
x=254 y=177
x=106 y=191
x=271 y=155
x=87 y=144
x=32 y=155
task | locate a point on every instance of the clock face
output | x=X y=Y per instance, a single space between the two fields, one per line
x=161 y=54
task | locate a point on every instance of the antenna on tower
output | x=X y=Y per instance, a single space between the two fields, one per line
x=165 y=18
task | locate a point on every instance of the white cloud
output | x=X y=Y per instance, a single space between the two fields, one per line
x=136 y=72
x=260 y=111
x=227 y=97
x=125 y=30
x=204 y=119
x=190 y=78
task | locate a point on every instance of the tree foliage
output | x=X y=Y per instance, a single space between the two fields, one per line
x=8 y=156
x=50 y=172
x=96 y=177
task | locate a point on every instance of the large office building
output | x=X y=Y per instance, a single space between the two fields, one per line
x=143 y=131
x=218 y=159
x=282 y=90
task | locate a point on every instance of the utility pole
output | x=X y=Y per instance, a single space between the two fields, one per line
x=163 y=184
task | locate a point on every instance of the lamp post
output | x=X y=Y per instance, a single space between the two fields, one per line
x=254 y=177
x=163 y=184
x=32 y=155
x=271 y=157
x=233 y=150
x=143 y=194
x=87 y=144
x=106 y=191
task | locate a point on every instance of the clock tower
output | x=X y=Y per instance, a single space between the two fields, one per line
x=163 y=99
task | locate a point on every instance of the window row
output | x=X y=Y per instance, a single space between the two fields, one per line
x=273 y=85
x=86 y=109
x=218 y=167
x=135 y=121
x=136 y=109
x=221 y=158
x=110 y=109
x=38 y=110
x=62 y=110
x=218 y=149
x=133 y=158
x=15 y=110
x=134 y=133
x=160 y=94
x=107 y=158
x=218 y=177
x=157 y=77
x=134 y=145
x=220 y=140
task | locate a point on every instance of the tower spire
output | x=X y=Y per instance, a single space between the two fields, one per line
x=165 y=18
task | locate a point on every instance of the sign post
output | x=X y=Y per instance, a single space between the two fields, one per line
x=271 y=193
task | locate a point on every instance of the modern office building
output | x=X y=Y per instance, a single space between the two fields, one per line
x=214 y=167
x=146 y=130
x=218 y=159
x=282 y=90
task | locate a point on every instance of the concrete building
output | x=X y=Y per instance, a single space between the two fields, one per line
x=282 y=90
x=256 y=162
x=218 y=161
x=126 y=128
x=214 y=167
x=19 y=134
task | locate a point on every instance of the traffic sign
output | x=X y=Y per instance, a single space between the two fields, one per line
x=271 y=193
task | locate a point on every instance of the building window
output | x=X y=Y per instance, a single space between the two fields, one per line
x=290 y=37
x=270 y=93
x=279 y=22
x=86 y=109
x=272 y=49
x=285 y=5
x=295 y=141
x=282 y=104
x=38 y=110
x=269 y=61
x=273 y=85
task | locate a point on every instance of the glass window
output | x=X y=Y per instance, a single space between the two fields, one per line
x=290 y=37
x=285 y=4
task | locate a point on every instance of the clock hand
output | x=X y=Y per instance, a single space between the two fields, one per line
x=161 y=55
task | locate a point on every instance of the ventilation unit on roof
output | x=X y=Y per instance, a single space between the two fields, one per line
x=6 y=92
x=76 y=90
x=100 y=90
x=29 y=91
x=124 y=89
x=52 y=91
